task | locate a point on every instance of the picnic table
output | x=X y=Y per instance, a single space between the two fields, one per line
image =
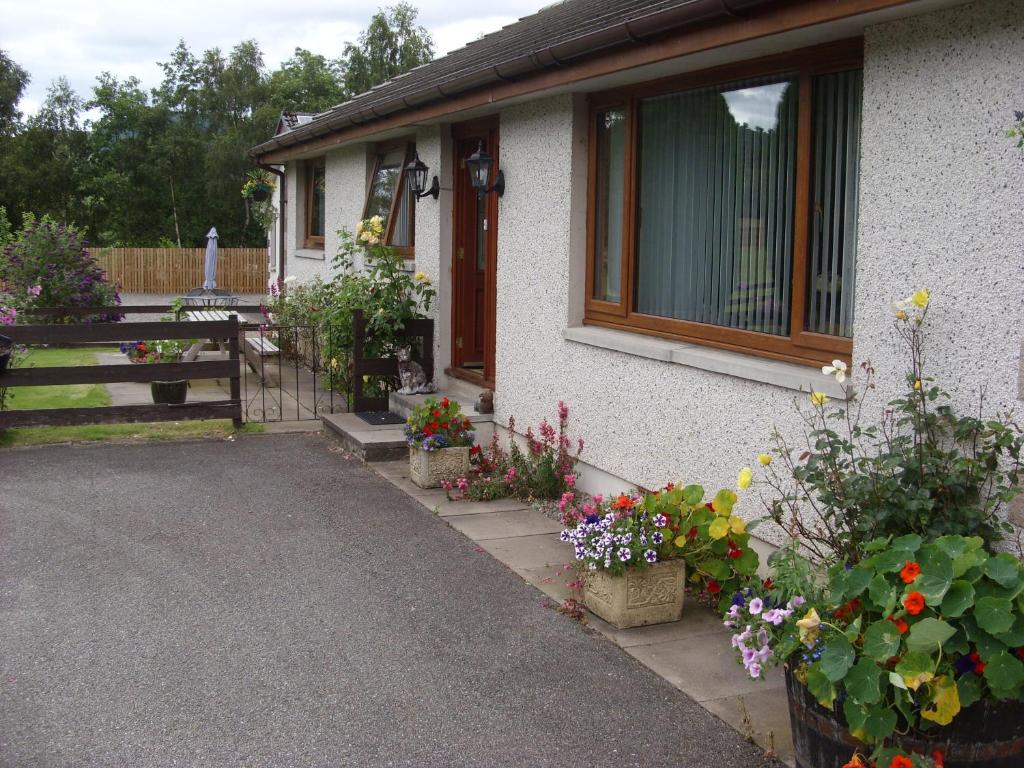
x=255 y=348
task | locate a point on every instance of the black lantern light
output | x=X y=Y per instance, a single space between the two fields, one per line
x=416 y=177
x=480 y=173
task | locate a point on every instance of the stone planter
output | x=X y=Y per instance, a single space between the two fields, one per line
x=639 y=597
x=428 y=468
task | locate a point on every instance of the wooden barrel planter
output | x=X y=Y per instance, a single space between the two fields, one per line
x=985 y=735
x=169 y=392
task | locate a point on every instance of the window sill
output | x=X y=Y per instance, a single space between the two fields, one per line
x=316 y=254
x=775 y=372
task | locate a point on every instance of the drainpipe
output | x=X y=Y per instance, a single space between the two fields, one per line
x=282 y=208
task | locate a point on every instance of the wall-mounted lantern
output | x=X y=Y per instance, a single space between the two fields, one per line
x=480 y=173
x=416 y=177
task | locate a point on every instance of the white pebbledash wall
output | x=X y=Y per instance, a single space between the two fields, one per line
x=942 y=190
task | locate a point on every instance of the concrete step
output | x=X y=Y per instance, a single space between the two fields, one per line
x=403 y=404
x=367 y=441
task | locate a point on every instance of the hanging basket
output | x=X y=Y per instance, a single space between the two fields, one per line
x=261 y=193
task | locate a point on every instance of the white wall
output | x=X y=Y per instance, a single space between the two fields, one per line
x=942 y=193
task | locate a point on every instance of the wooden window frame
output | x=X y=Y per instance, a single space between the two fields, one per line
x=309 y=168
x=380 y=150
x=801 y=346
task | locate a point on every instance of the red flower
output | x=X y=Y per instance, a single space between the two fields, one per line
x=444 y=425
x=768 y=583
x=623 y=502
x=939 y=759
x=670 y=486
x=979 y=665
x=735 y=554
x=914 y=603
x=714 y=587
x=434 y=424
x=437 y=414
x=444 y=403
x=901 y=624
x=692 y=533
x=910 y=572
x=1020 y=653
x=474 y=450
x=710 y=506
x=846 y=611
x=901 y=762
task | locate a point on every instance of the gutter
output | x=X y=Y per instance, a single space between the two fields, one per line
x=631 y=32
x=282 y=255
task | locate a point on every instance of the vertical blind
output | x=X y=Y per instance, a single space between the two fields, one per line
x=836 y=154
x=401 y=236
x=610 y=186
x=716 y=194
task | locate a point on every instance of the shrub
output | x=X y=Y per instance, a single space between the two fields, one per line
x=48 y=265
x=923 y=469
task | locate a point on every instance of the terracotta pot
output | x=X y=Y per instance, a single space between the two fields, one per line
x=985 y=735
x=638 y=597
x=428 y=468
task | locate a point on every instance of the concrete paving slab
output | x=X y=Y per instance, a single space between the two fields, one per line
x=762 y=715
x=459 y=508
x=697 y=621
x=503 y=525
x=552 y=581
x=705 y=668
x=525 y=552
x=389 y=469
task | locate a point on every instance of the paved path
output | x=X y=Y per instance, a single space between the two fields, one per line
x=265 y=602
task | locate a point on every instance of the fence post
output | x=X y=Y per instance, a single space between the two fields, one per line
x=358 y=334
x=236 y=373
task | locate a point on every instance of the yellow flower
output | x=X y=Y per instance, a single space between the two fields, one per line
x=901 y=315
x=719 y=528
x=809 y=628
x=764 y=459
x=421 y=277
x=744 y=479
x=921 y=298
x=917 y=384
x=819 y=398
x=737 y=524
x=334 y=362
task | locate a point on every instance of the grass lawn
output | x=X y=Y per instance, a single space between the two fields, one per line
x=91 y=396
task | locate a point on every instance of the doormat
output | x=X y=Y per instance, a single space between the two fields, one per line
x=379 y=418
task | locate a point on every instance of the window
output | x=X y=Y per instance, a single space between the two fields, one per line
x=723 y=206
x=315 y=219
x=391 y=198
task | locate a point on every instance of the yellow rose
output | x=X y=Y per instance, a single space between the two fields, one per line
x=921 y=298
x=764 y=459
x=819 y=398
x=744 y=479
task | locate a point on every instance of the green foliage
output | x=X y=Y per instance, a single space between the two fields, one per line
x=924 y=468
x=392 y=44
x=926 y=655
x=48 y=266
x=13 y=80
x=1017 y=132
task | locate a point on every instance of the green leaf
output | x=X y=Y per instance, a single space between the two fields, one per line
x=857 y=581
x=837 y=658
x=936 y=574
x=864 y=682
x=1014 y=637
x=958 y=599
x=970 y=559
x=890 y=560
x=856 y=718
x=994 y=614
x=821 y=687
x=916 y=669
x=953 y=546
x=910 y=542
x=928 y=635
x=969 y=687
x=881 y=641
x=1004 y=675
x=943 y=703
x=896 y=680
x=880 y=724
x=1004 y=569
x=882 y=594
x=693 y=495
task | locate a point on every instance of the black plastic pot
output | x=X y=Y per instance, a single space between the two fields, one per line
x=259 y=194
x=6 y=345
x=170 y=392
x=985 y=735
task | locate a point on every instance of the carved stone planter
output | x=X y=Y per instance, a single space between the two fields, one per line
x=428 y=468
x=639 y=597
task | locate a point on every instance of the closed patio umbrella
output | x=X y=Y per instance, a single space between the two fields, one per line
x=210 y=275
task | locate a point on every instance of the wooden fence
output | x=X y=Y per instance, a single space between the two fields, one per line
x=422 y=330
x=106 y=374
x=176 y=270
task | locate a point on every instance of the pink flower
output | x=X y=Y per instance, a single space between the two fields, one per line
x=570 y=480
x=8 y=315
x=566 y=500
x=446 y=485
x=598 y=498
x=563 y=412
x=462 y=484
x=510 y=475
x=35 y=290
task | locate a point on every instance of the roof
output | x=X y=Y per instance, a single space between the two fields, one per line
x=554 y=37
x=289 y=121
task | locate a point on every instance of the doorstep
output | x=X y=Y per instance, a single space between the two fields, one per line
x=694 y=654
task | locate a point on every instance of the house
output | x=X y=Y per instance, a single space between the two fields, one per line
x=704 y=202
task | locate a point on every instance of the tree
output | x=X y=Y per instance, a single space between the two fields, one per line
x=392 y=44
x=13 y=81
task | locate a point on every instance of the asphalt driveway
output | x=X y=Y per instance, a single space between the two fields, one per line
x=266 y=602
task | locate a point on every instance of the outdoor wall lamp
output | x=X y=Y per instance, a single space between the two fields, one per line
x=416 y=176
x=480 y=173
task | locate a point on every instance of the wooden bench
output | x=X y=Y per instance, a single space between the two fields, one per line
x=264 y=357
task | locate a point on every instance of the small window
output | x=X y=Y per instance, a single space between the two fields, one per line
x=391 y=198
x=315 y=212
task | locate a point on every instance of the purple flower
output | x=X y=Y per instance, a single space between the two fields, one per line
x=660 y=521
x=756 y=606
x=625 y=554
x=657 y=537
x=650 y=556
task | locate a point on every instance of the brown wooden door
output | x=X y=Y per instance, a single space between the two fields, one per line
x=474 y=260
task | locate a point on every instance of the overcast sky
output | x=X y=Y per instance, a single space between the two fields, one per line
x=81 y=38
